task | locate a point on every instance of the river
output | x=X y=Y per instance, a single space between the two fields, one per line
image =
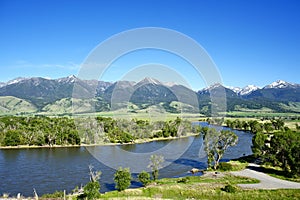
x=51 y=169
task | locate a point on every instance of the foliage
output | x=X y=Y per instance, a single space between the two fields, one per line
x=216 y=143
x=229 y=188
x=122 y=178
x=284 y=151
x=12 y=138
x=184 y=180
x=41 y=130
x=38 y=131
x=203 y=188
x=91 y=190
x=155 y=165
x=259 y=144
x=254 y=126
x=224 y=166
x=144 y=178
x=232 y=165
x=56 y=194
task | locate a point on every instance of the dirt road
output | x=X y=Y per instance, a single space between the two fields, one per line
x=266 y=181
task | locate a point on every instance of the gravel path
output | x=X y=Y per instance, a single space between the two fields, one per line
x=266 y=181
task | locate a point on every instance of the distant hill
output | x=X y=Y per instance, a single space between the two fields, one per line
x=13 y=105
x=71 y=94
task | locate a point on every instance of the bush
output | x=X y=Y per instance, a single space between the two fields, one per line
x=122 y=178
x=12 y=138
x=91 y=190
x=57 y=194
x=224 y=166
x=229 y=188
x=184 y=180
x=144 y=178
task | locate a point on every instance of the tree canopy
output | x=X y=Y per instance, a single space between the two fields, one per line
x=216 y=143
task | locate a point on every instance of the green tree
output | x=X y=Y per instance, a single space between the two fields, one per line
x=277 y=123
x=122 y=178
x=91 y=189
x=229 y=123
x=268 y=127
x=245 y=125
x=297 y=126
x=259 y=144
x=12 y=138
x=216 y=143
x=144 y=177
x=255 y=126
x=284 y=151
x=155 y=165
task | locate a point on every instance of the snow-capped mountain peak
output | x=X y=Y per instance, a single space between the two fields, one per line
x=2 y=84
x=248 y=89
x=16 y=80
x=69 y=79
x=235 y=89
x=148 y=80
x=278 y=84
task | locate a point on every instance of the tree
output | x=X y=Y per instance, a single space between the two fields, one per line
x=144 y=178
x=268 y=127
x=297 y=126
x=216 y=143
x=255 y=126
x=155 y=165
x=259 y=144
x=284 y=151
x=122 y=178
x=278 y=124
x=91 y=189
x=12 y=138
x=245 y=125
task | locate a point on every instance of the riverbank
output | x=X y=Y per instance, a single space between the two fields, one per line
x=221 y=185
x=137 y=141
x=210 y=186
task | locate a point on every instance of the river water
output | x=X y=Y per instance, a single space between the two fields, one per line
x=50 y=169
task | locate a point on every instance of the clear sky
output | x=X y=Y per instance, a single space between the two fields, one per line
x=251 y=41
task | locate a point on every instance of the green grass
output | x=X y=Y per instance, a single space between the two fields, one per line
x=292 y=106
x=12 y=105
x=257 y=114
x=204 y=187
x=232 y=166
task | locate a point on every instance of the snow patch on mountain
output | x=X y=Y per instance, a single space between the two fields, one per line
x=235 y=89
x=248 y=89
x=279 y=84
x=69 y=79
x=148 y=80
x=16 y=80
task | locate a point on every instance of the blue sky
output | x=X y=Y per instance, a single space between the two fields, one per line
x=250 y=41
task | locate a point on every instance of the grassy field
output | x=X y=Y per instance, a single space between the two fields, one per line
x=209 y=186
x=12 y=105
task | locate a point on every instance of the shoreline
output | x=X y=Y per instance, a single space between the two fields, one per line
x=137 y=141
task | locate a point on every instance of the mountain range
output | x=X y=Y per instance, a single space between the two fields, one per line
x=71 y=94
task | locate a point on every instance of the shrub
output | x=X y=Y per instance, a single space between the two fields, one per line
x=229 y=188
x=184 y=180
x=57 y=194
x=144 y=178
x=122 y=178
x=224 y=166
x=91 y=190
